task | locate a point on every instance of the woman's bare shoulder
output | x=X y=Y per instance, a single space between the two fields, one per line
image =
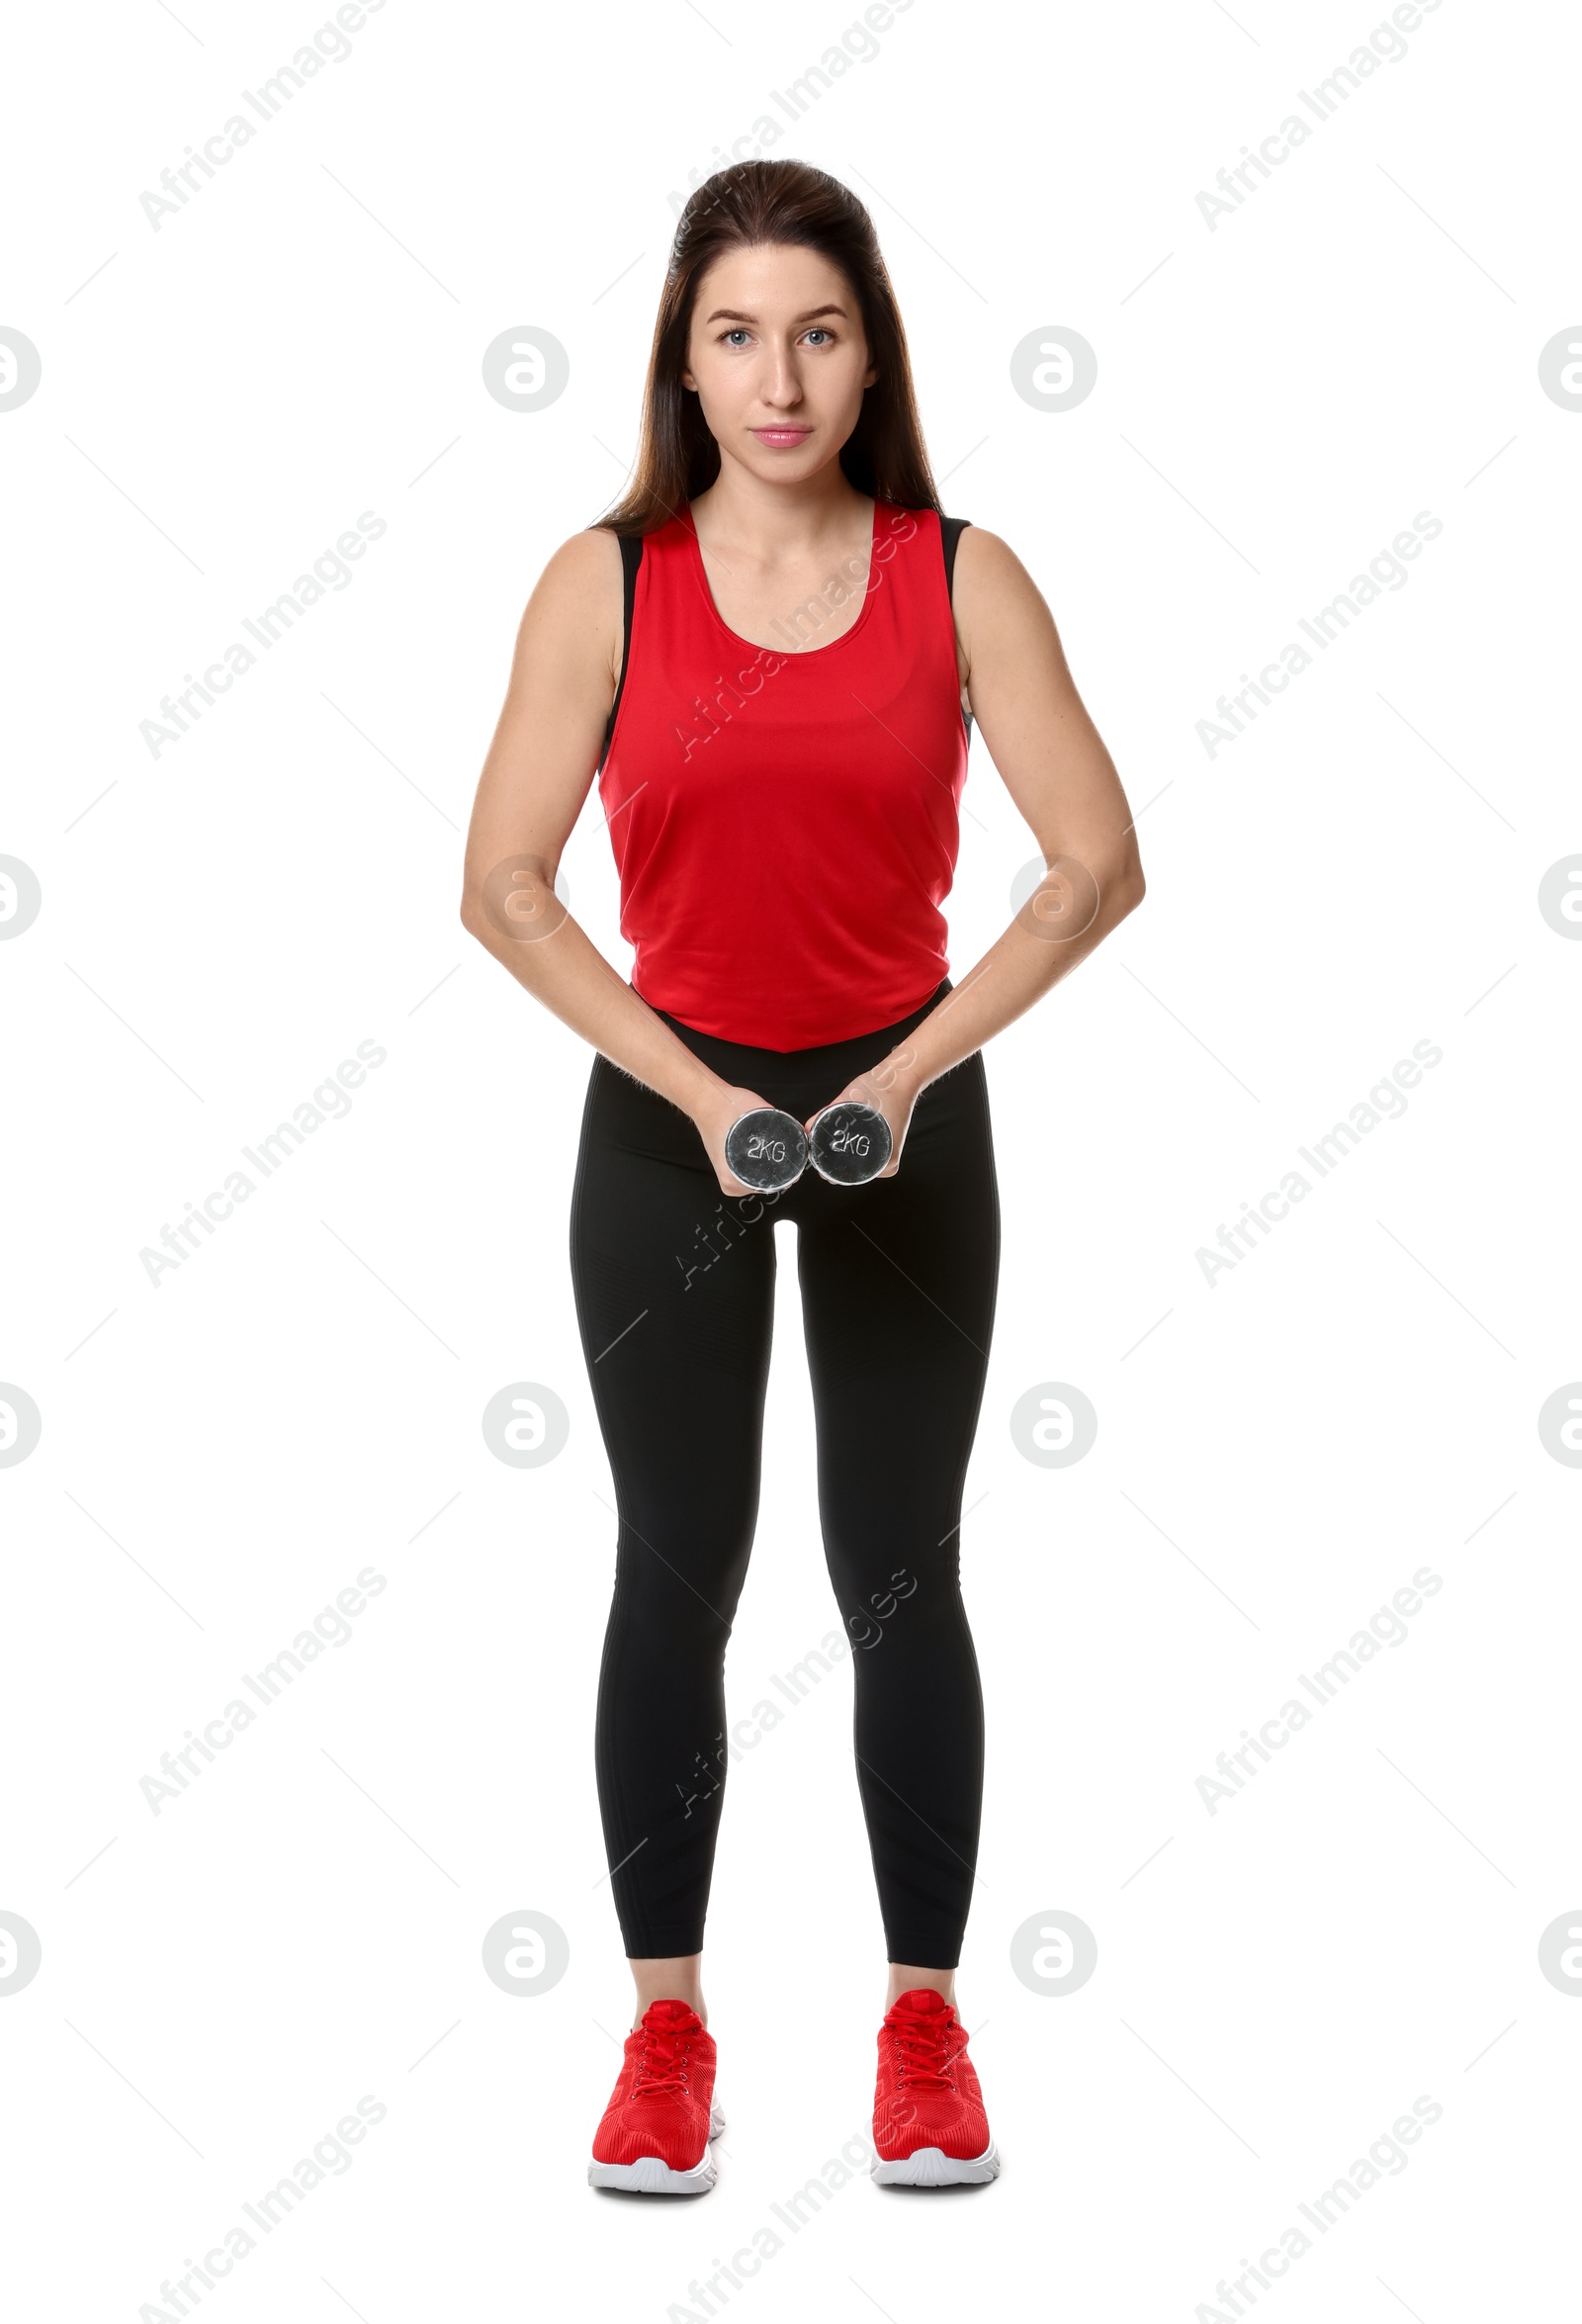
x=579 y=596
x=584 y=569
x=1001 y=611
x=985 y=561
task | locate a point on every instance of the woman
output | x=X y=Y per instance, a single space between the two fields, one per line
x=766 y=653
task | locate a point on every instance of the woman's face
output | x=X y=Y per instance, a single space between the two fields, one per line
x=778 y=360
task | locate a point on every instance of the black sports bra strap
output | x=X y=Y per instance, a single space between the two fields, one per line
x=952 y=529
x=631 y=559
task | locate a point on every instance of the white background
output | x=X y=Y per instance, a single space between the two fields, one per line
x=1275 y=1455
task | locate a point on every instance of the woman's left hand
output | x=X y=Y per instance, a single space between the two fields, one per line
x=891 y=1090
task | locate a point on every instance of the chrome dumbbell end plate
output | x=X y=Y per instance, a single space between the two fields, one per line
x=766 y=1149
x=850 y=1143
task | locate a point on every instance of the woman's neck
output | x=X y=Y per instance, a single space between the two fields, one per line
x=781 y=522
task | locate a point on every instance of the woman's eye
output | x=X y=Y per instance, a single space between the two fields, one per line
x=819 y=332
x=737 y=333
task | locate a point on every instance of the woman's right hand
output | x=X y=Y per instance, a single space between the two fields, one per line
x=713 y=1117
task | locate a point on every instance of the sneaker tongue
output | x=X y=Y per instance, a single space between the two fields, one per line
x=922 y=2002
x=674 y=2016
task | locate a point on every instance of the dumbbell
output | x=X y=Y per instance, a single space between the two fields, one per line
x=768 y=1150
x=849 y=1142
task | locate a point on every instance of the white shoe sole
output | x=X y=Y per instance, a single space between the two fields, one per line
x=649 y=2176
x=931 y=2167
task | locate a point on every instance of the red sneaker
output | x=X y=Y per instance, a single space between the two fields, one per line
x=656 y=2132
x=929 y=2128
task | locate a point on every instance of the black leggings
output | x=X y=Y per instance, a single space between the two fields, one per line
x=674 y=1285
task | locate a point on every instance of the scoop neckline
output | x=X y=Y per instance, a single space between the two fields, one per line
x=799 y=654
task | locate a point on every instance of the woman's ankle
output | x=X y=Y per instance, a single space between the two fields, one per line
x=678 y=1978
x=907 y=1977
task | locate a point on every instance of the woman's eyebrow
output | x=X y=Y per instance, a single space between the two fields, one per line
x=733 y=314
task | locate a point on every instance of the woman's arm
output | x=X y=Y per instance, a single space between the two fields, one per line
x=536 y=777
x=535 y=780
x=1061 y=777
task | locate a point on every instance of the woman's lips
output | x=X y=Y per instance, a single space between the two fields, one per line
x=779 y=437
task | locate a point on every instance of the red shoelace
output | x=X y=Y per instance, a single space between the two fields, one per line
x=662 y=2071
x=921 y=2051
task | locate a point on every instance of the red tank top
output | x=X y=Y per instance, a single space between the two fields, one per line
x=785 y=824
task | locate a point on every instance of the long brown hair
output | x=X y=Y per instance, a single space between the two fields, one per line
x=756 y=203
